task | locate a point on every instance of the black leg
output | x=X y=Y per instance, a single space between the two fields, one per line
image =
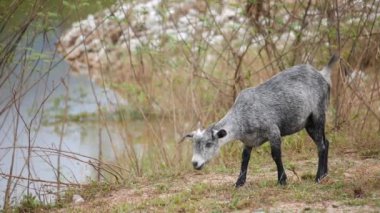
x=327 y=144
x=320 y=172
x=246 y=155
x=276 y=155
x=317 y=133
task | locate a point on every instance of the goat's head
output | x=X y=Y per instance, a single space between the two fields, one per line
x=205 y=145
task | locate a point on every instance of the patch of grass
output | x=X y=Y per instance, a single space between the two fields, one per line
x=261 y=192
x=30 y=203
x=88 y=192
x=162 y=187
x=355 y=202
x=168 y=192
x=370 y=153
x=258 y=193
x=308 y=177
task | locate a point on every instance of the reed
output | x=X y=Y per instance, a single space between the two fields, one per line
x=177 y=82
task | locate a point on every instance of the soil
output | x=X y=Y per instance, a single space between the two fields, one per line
x=355 y=170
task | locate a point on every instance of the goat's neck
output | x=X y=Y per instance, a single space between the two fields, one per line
x=229 y=124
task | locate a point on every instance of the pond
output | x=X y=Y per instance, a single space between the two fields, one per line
x=34 y=132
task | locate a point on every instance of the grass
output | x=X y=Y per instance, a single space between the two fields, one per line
x=348 y=186
x=173 y=88
x=30 y=203
x=353 y=181
x=264 y=194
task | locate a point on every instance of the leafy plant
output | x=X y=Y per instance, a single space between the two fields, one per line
x=29 y=203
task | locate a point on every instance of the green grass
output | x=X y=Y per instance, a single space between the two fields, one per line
x=177 y=187
x=261 y=194
x=171 y=193
x=170 y=91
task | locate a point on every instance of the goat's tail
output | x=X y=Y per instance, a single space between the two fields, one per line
x=326 y=72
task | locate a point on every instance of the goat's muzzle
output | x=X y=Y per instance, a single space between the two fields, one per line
x=197 y=166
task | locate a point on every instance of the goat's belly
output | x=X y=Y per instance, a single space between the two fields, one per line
x=291 y=128
x=254 y=139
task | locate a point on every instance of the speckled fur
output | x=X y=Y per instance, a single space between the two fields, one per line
x=292 y=100
x=282 y=105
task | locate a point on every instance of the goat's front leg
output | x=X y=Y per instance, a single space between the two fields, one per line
x=275 y=145
x=246 y=155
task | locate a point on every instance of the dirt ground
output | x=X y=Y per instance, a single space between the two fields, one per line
x=353 y=185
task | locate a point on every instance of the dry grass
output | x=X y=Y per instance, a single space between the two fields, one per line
x=171 y=88
x=352 y=185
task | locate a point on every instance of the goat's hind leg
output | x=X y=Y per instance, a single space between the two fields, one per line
x=246 y=155
x=316 y=130
x=325 y=160
x=275 y=144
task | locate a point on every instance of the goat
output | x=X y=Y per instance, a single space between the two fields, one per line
x=292 y=100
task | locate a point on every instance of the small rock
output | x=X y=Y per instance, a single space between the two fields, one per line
x=307 y=209
x=348 y=175
x=77 y=199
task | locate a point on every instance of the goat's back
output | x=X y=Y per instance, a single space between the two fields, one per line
x=286 y=100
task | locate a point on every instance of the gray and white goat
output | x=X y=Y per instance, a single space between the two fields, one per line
x=294 y=99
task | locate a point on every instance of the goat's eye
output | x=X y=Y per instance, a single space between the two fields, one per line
x=208 y=145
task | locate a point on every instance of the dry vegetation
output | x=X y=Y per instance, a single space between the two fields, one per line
x=172 y=82
x=212 y=190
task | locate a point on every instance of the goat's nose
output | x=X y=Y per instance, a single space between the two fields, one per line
x=195 y=164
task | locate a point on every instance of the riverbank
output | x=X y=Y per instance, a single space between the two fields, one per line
x=352 y=186
x=187 y=62
x=152 y=70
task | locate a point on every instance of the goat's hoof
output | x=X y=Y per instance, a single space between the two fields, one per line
x=239 y=184
x=282 y=182
x=321 y=178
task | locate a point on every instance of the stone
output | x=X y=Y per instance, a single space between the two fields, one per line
x=77 y=199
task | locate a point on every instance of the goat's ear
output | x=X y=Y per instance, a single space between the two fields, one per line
x=221 y=133
x=199 y=125
x=188 y=135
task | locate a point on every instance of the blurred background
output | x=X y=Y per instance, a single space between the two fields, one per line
x=102 y=90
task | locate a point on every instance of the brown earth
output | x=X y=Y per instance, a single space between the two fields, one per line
x=360 y=190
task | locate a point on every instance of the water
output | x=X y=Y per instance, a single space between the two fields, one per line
x=45 y=133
